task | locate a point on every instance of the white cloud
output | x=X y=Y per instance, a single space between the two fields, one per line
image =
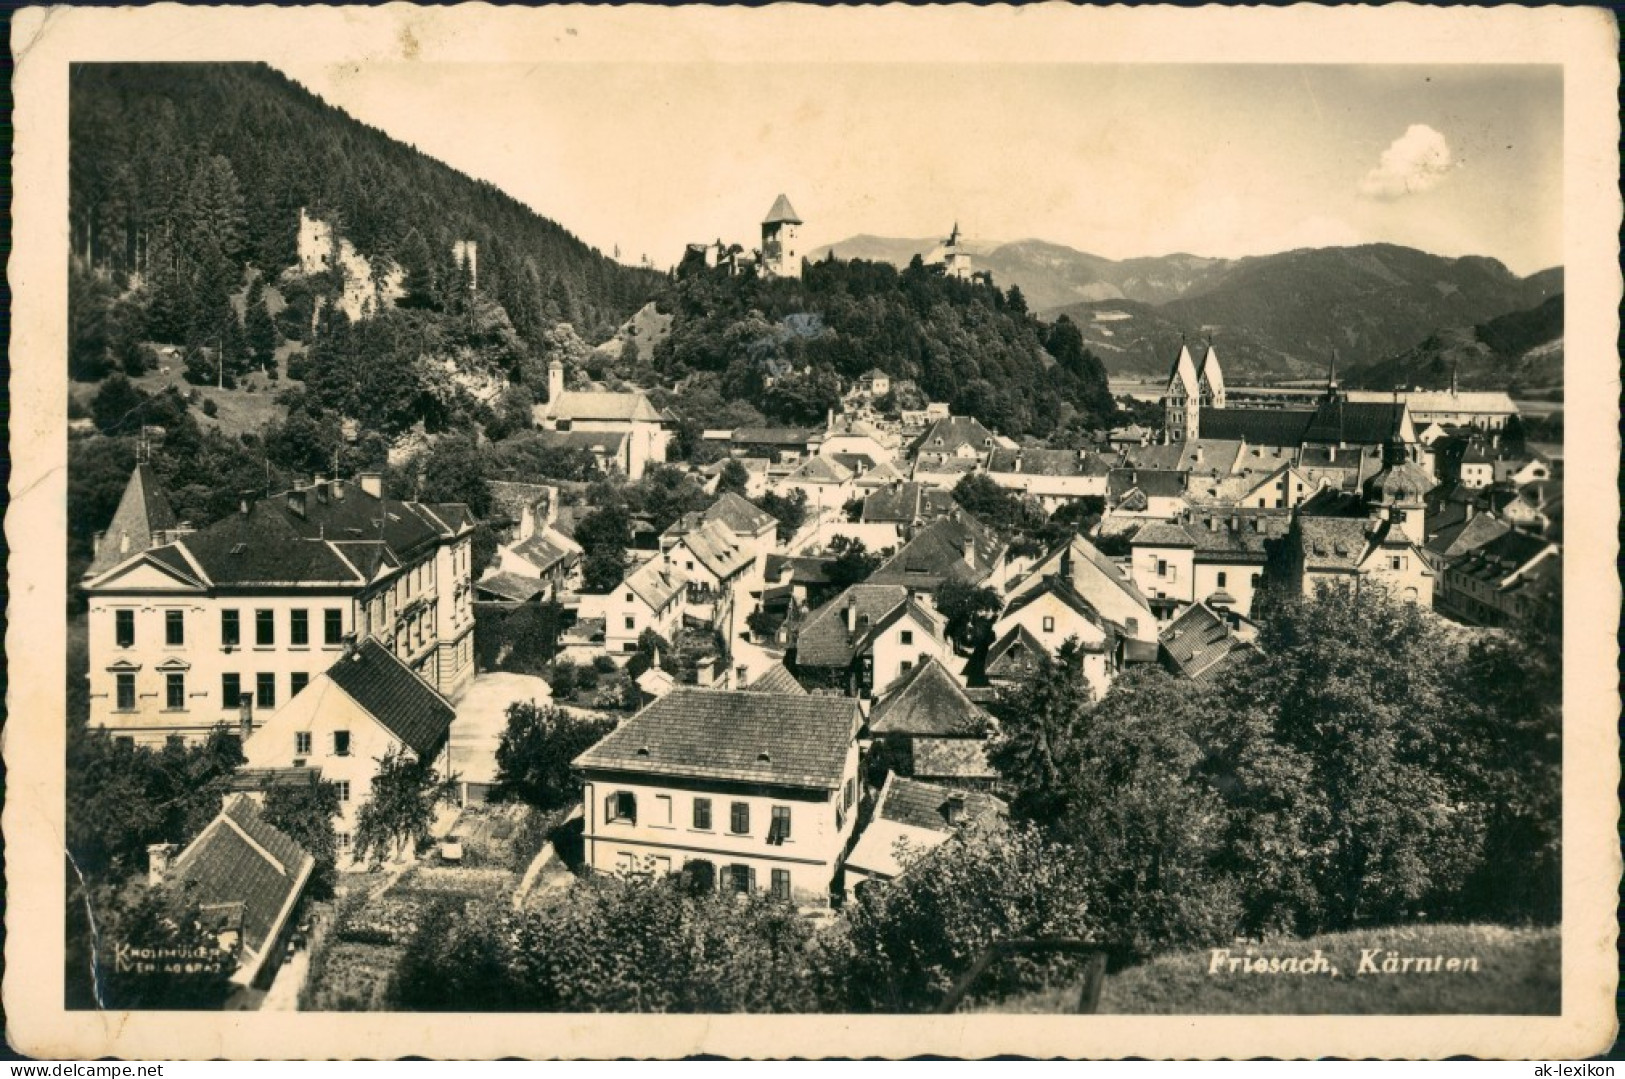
x=1416 y=161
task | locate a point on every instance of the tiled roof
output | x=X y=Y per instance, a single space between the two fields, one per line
x=718 y=549
x=924 y=617
x=1362 y=422
x=263 y=547
x=509 y=499
x=937 y=553
x=927 y=701
x=1502 y=558
x=781 y=213
x=242 y=862
x=546 y=548
x=904 y=503
x=1334 y=543
x=1163 y=534
x=406 y=705
x=1097 y=579
x=1014 y=655
x=1199 y=643
x=1482 y=401
x=1038 y=462
x=824 y=641
x=738 y=514
x=602 y=405
x=803 y=569
x=655 y=583
x=264 y=779
x=777 y=679
x=945 y=436
x=1063 y=590
x=772 y=436
x=1197 y=454
x=142 y=511
x=602 y=443
x=952 y=758
x=925 y=805
x=732 y=735
x=1153 y=483
x=510 y=586
x=1239 y=534
x=821 y=470
x=1263 y=426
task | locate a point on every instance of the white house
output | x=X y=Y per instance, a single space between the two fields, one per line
x=911 y=819
x=262 y=601
x=826 y=483
x=1054 y=613
x=762 y=787
x=1106 y=588
x=651 y=597
x=1054 y=477
x=648 y=432
x=366 y=705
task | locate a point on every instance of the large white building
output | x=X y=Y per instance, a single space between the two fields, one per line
x=260 y=603
x=647 y=433
x=762 y=787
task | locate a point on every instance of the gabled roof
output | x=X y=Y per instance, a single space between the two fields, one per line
x=777 y=679
x=743 y=517
x=388 y=690
x=1457 y=539
x=1262 y=426
x=1064 y=591
x=1199 y=644
x=821 y=470
x=510 y=586
x=947 y=435
x=655 y=583
x=1372 y=423
x=824 y=640
x=143 y=511
x=631 y=407
x=913 y=816
x=1014 y=655
x=1163 y=534
x=1097 y=579
x=782 y=213
x=1239 y=534
x=904 y=503
x=546 y=548
x=1334 y=543
x=775 y=436
x=718 y=549
x=929 y=620
x=1504 y=559
x=600 y=443
x=952 y=758
x=242 y=866
x=1039 y=462
x=734 y=735
x=1153 y=483
x=938 y=552
x=927 y=701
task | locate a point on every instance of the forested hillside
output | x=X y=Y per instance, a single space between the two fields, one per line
x=785 y=345
x=1521 y=351
x=185 y=175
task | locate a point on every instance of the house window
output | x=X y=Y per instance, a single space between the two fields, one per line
x=908 y=636
x=631 y=623
x=332 y=626
x=1396 y=563
x=342 y=840
x=299 y=628
x=344 y=789
x=1256 y=578
x=849 y=794
x=231 y=690
x=739 y=818
x=1162 y=567
x=124 y=628
x=175 y=692
x=905 y=666
x=126 y=691
x=341 y=743
x=174 y=628
x=742 y=878
x=629 y=597
x=702 y=814
x=265 y=628
x=301 y=743
x=265 y=691
x=1049 y=623
x=622 y=805
x=1222 y=578
x=296 y=681
x=231 y=631
x=779 y=830
x=662 y=815
x=781 y=884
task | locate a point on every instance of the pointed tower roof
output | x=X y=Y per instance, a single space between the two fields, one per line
x=142 y=512
x=782 y=213
x=1184 y=371
x=1209 y=371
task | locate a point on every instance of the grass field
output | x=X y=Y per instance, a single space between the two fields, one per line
x=1518 y=973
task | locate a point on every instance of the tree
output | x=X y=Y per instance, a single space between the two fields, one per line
x=305 y=814
x=991 y=504
x=909 y=940
x=853 y=563
x=400 y=808
x=733 y=477
x=1039 y=719
x=604 y=535
x=119 y=406
x=258 y=328
x=790 y=511
x=454 y=471
x=535 y=754
x=968 y=609
x=148 y=948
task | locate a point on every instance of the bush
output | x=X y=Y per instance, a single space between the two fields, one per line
x=604 y=665
x=210 y=408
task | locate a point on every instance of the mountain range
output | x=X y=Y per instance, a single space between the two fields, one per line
x=1277 y=316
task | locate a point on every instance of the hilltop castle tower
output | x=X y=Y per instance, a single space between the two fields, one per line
x=781 y=249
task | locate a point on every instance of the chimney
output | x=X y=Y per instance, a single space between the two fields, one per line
x=527 y=522
x=1235 y=522
x=1018 y=461
x=159 y=857
x=245 y=716
x=851 y=617
x=372 y=483
x=1066 y=563
x=123 y=543
x=954 y=808
x=970 y=551
x=243 y=501
x=555 y=381
x=96 y=544
x=296 y=503
x=338 y=490
x=1196 y=456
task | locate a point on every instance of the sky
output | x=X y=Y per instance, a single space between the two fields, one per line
x=1118 y=160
